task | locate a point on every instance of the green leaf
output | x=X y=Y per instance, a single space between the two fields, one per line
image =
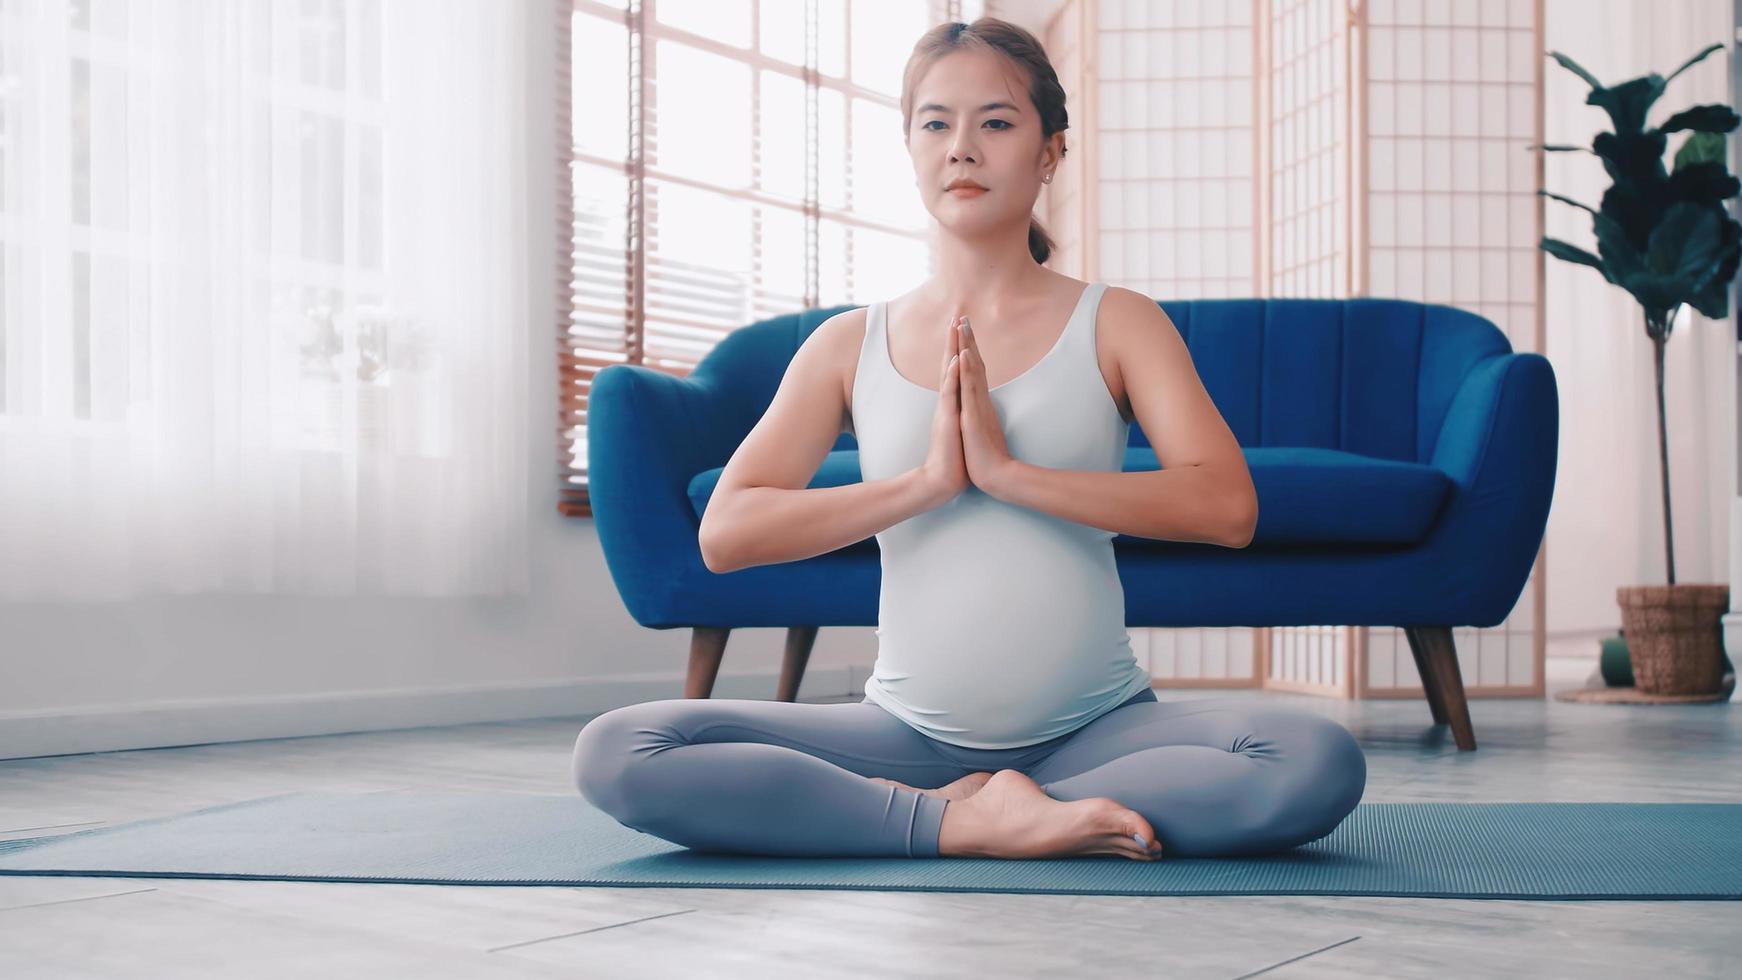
x=1633 y=155
x=1722 y=255
x=1685 y=244
x=1573 y=66
x=1713 y=299
x=1636 y=206
x=1703 y=183
x=1654 y=291
x=1628 y=103
x=1568 y=200
x=1703 y=118
x=1559 y=148
x=1700 y=147
x=1619 y=254
x=1696 y=59
x=1572 y=253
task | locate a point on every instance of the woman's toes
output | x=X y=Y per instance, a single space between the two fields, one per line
x=1149 y=848
x=1136 y=832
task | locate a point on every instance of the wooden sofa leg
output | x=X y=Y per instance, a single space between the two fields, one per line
x=1436 y=660
x=799 y=640
x=1429 y=681
x=707 y=649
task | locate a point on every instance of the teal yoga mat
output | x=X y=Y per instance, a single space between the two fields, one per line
x=1431 y=850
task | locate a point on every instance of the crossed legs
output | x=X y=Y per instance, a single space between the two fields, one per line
x=765 y=777
x=1213 y=777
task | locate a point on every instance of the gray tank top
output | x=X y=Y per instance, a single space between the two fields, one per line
x=998 y=626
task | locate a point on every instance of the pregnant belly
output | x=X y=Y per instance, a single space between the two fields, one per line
x=1005 y=633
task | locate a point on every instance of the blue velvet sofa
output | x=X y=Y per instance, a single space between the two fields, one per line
x=1402 y=453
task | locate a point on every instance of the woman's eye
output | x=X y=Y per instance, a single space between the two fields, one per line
x=1001 y=123
x=928 y=123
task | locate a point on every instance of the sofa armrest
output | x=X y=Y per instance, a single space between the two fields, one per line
x=1498 y=444
x=1504 y=413
x=648 y=434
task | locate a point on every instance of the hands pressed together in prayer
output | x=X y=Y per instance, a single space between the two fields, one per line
x=968 y=444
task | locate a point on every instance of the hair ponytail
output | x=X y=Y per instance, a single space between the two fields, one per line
x=1040 y=244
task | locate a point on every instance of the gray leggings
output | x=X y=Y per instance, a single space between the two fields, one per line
x=1214 y=777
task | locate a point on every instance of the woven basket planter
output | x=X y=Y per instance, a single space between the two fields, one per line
x=1672 y=636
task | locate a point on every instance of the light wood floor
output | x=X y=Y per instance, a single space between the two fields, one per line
x=1528 y=751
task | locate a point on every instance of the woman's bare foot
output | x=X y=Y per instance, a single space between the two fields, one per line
x=961 y=789
x=1012 y=817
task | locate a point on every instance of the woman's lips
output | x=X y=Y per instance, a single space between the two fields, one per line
x=965 y=191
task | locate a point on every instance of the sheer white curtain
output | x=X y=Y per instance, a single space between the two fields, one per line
x=262 y=323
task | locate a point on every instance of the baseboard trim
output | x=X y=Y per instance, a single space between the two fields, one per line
x=174 y=724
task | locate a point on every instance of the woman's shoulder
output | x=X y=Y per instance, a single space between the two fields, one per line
x=1125 y=296
x=1126 y=314
x=1113 y=297
x=845 y=325
x=1130 y=303
x=842 y=335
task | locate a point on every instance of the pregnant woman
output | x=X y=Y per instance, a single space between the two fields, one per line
x=1005 y=715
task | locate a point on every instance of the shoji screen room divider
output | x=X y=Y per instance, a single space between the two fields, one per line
x=1312 y=148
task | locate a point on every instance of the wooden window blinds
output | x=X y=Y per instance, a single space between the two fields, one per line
x=721 y=162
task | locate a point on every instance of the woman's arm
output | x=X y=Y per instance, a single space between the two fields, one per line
x=763 y=510
x=1187 y=503
x=767 y=525
x=1203 y=493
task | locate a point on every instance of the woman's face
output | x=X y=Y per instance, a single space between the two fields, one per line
x=973 y=121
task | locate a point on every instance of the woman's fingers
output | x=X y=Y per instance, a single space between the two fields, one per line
x=944 y=363
x=955 y=368
x=970 y=348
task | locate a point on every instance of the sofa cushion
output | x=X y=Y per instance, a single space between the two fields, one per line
x=1328 y=496
x=1305 y=495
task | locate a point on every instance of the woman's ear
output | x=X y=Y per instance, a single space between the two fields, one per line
x=1053 y=151
x=1048 y=160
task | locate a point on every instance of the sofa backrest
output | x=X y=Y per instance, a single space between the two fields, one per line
x=1366 y=375
x=1363 y=375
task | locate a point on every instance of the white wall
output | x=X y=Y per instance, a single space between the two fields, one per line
x=1606 y=527
x=186 y=670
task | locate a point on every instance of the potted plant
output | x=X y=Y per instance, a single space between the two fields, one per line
x=1666 y=238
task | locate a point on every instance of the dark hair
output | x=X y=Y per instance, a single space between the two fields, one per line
x=1023 y=49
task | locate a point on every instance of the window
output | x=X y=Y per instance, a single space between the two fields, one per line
x=731 y=160
x=78 y=145
x=233 y=355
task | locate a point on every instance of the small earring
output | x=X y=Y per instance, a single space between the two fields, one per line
x=1047 y=179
